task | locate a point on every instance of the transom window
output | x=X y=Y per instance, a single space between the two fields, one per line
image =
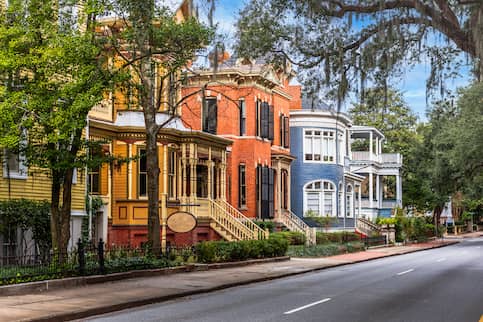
x=319 y=199
x=319 y=146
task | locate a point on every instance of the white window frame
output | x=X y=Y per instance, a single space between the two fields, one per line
x=327 y=148
x=321 y=191
x=22 y=172
x=340 y=195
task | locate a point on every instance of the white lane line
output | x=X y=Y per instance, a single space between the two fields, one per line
x=441 y=260
x=405 y=272
x=307 y=306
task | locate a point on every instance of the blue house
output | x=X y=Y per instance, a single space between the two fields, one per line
x=325 y=178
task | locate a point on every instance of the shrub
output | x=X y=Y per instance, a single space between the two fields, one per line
x=270 y=225
x=336 y=237
x=221 y=251
x=324 y=250
x=293 y=237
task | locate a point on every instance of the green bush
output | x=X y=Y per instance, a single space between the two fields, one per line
x=221 y=251
x=336 y=237
x=270 y=225
x=293 y=237
x=324 y=250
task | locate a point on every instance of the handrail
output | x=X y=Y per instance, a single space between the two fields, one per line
x=240 y=226
x=366 y=226
x=295 y=223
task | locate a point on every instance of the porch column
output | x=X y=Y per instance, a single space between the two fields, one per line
x=164 y=210
x=223 y=176
x=371 y=191
x=289 y=185
x=129 y=172
x=193 y=162
x=370 y=146
x=399 y=190
x=360 y=200
x=377 y=145
x=209 y=164
x=184 y=174
x=378 y=191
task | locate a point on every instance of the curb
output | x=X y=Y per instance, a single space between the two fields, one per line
x=41 y=286
x=157 y=299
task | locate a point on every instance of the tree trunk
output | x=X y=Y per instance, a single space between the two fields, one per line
x=152 y=160
x=54 y=210
x=65 y=211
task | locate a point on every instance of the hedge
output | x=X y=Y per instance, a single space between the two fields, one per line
x=325 y=249
x=293 y=237
x=222 y=251
x=336 y=237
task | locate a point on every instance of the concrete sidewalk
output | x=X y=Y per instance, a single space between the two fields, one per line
x=82 y=301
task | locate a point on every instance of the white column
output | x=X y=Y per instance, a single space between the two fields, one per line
x=377 y=145
x=370 y=146
x=371 y=191
x=360 y=201
x=399 y=190
x=378 y=191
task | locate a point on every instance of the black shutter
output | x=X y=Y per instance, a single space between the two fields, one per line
x=270 y=122
x=271 y=177
x=265 y=193
x=258 y=183
x=286 y=134
x=257 y=118
x=264 y=120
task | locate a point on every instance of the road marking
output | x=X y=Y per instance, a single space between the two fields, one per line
x=405 y=272
x=441 y=260
x=307 y=306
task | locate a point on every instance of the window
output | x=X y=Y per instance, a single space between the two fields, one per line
x=284 y=131
x=264 y=120
x=243 y=117
x=284 y=188
x=349 y=206
x=264 y=181
x=319 y=199
x=14 y=165
x=172 y=174
x=341 y=149
x=142 y=174
x=209 y=115
x=94 y=177
x=319 y=146
x=242 y=188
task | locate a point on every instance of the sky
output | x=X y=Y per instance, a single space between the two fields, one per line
x=412 y=85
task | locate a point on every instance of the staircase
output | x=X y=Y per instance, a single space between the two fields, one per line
x=231 y=224
x=294 y=223
x=367 y=227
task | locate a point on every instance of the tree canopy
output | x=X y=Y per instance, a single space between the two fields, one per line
x=342 y=45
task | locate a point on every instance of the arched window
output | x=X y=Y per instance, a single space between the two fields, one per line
x=319 y=199
x=349 y=206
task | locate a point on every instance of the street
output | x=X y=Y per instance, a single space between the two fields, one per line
x=444 y=284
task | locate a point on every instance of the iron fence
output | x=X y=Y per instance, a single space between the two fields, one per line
x=88 y=259
x=374 y=241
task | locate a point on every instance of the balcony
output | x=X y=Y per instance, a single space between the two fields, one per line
x=385 y=158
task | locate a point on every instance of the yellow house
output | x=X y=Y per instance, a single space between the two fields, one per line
x=192 y=174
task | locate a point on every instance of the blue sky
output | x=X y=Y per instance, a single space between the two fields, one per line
x=413 y=84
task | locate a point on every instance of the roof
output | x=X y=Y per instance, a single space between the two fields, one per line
x=363 y=132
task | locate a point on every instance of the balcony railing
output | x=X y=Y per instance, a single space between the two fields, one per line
x=382 y=158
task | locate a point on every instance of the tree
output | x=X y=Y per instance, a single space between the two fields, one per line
x=151 y=43
x=386 y=110
x=354 y=42
x=51 y=76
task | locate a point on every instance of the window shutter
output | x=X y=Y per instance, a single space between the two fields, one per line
x=264 y=120
x=257 y=118
x=286 y=132
x=258 y=184
x=270 y=122
x=271 y=177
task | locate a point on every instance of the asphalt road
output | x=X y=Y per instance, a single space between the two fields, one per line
x=444 y=284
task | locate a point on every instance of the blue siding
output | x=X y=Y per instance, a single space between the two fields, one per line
x=303 y=173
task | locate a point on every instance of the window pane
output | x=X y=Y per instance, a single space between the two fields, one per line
x=313 y=202
x=328 y=203
x=143 y=182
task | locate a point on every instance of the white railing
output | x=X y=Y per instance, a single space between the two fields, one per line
x=367 y=227
x=294 y=223
x=364 y=156
x=392 y=158
x=233 y=221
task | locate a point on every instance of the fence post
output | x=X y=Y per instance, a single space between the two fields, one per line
x=82 y=257
x=100 y=253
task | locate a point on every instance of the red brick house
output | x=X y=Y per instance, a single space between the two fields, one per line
x=247 y=102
